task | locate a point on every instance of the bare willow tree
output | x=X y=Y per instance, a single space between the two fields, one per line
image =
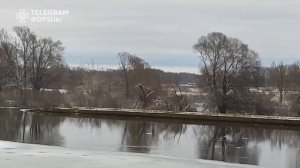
x=223 y=61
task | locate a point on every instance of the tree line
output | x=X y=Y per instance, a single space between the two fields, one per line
x=231 y=78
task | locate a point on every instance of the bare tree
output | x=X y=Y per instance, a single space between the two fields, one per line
x=280 y=79
x=223 y=61
x=45 y=54
x=179 y=100
x=292 y=78
x=90 y=84
x=137 y=63
x=11 y=71
x=24 y=35
x=29 y=57
x=145 y=95
x=5 y=58
x=124 y=66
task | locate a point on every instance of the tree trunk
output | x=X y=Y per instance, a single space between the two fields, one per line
x=126 y=83
x=222 y=107
x=223 y=143
x=280 y=96
x=214 y=143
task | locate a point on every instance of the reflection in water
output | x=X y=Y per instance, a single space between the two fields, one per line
x=139 y=136
x=10 y=125
x=30 y=128
x=243 y=145
x=43 y=129
x=226 y=144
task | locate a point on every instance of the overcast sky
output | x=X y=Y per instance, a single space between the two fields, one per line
x=163 y=31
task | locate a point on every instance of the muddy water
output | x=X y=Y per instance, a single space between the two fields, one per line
x=257 y=145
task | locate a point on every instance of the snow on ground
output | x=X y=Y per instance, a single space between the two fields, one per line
x=62 y=91
x=15 y=155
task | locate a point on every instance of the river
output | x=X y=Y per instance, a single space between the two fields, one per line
x=267 y=146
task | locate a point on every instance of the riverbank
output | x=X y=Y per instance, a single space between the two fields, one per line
x=192 y=116
x=14 y=155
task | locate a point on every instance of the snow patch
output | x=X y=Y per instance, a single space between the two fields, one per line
x=33 y=156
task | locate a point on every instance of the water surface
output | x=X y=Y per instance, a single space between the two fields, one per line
x=259 y=145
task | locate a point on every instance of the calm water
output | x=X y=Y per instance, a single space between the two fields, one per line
x=267 y=147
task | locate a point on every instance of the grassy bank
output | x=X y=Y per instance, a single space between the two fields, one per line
x=193 y=116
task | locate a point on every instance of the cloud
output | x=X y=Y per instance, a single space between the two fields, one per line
x=163 y=32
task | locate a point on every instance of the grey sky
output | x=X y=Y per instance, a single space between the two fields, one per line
x=164 y=31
